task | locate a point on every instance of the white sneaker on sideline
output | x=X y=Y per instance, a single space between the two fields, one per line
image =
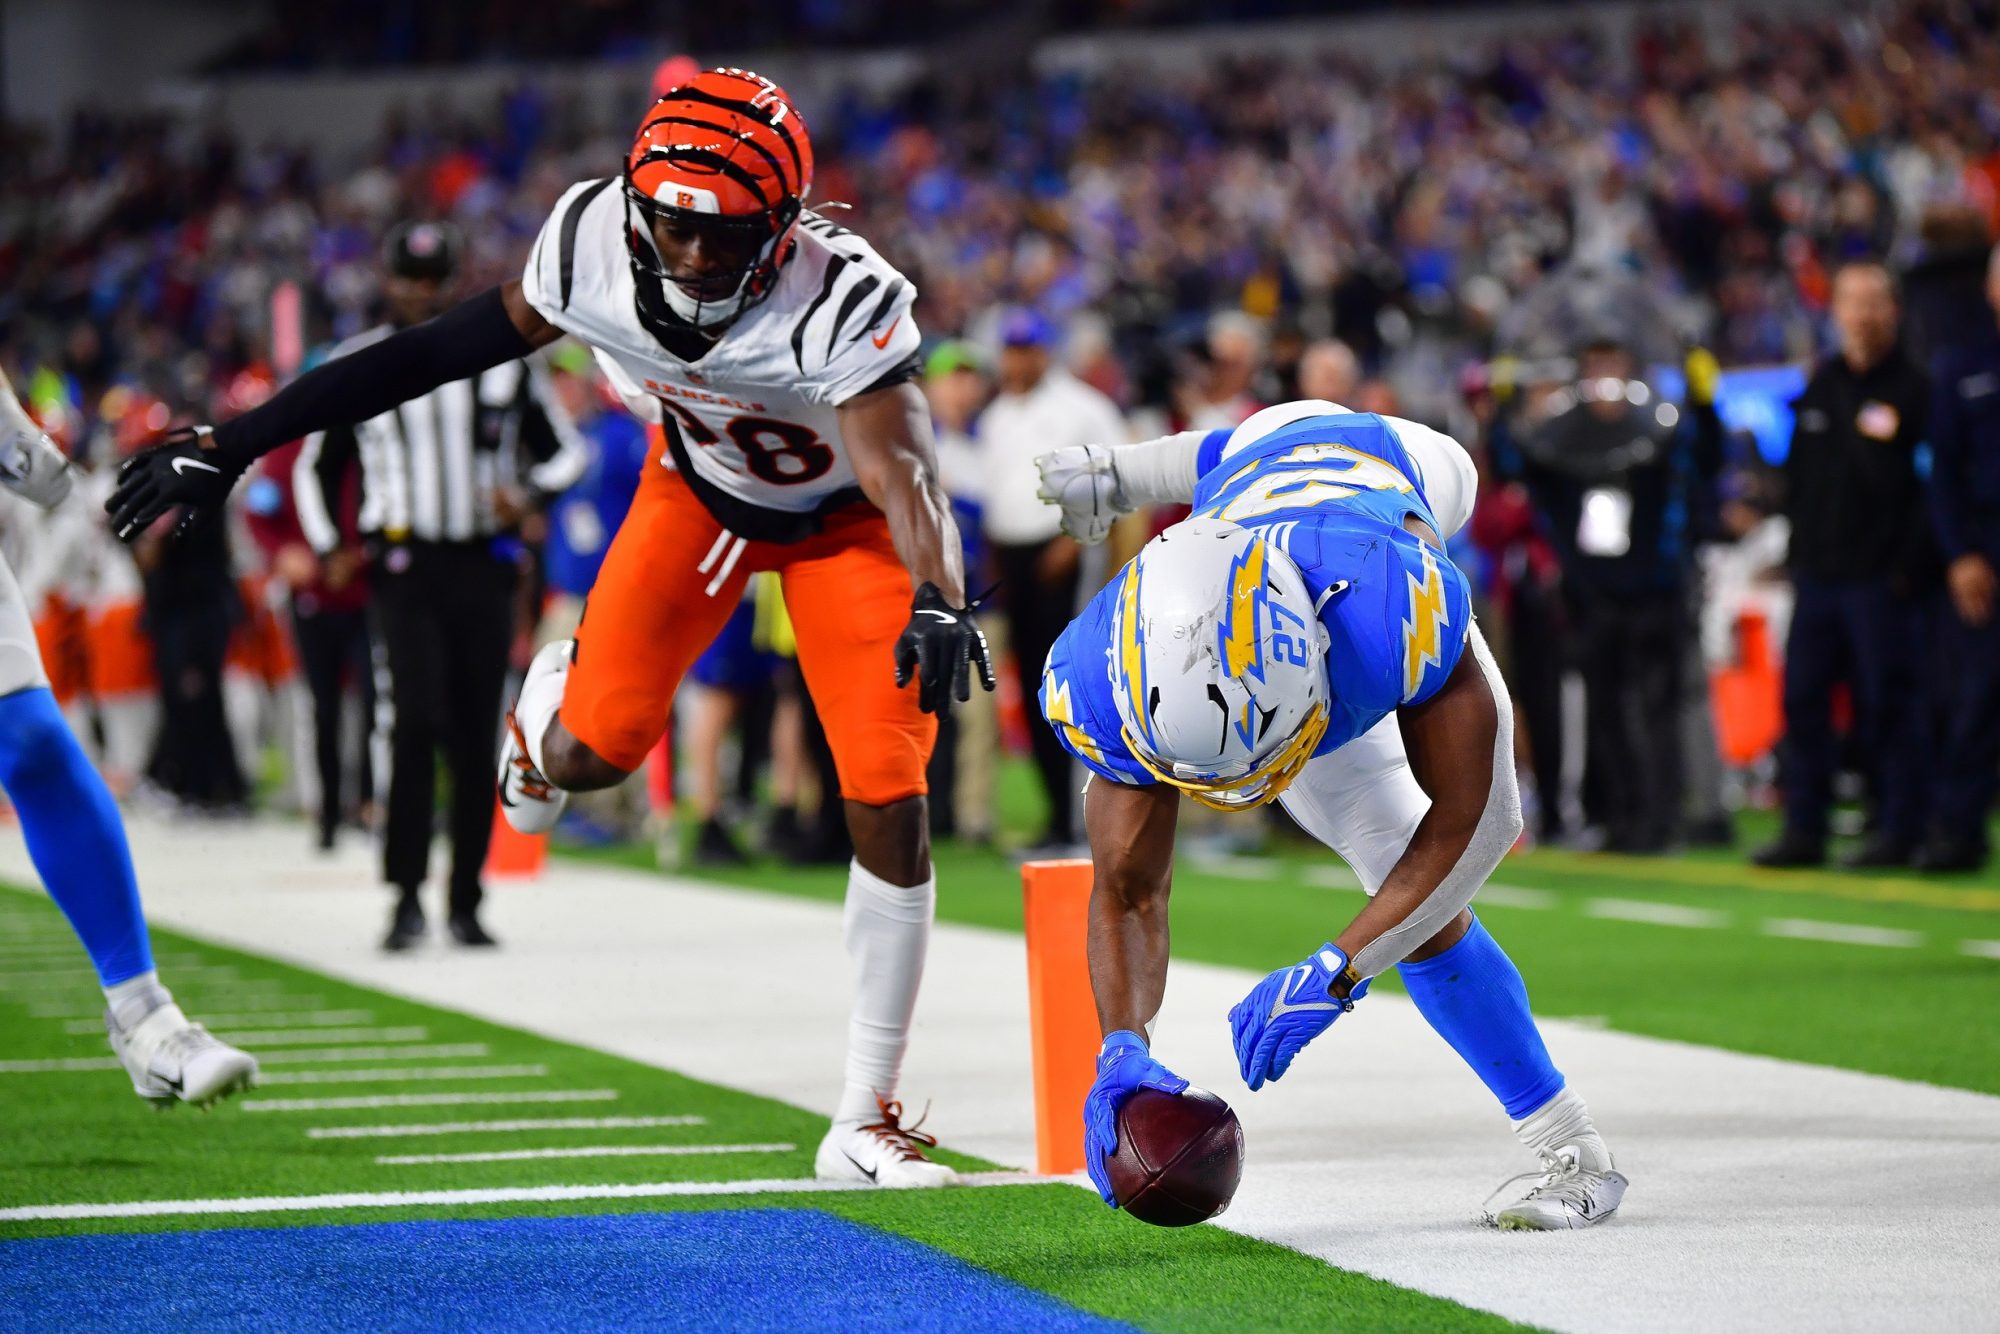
x=883 y=1153
x=172 y=1059
x=1576 y=1186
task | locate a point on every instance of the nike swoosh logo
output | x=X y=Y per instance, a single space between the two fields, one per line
x=505 y=800
x=946 y=617
x=883 y=341
x=181 y=465
x=1285 y=1005
x=868 y=1172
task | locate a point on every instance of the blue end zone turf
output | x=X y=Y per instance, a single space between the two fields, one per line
x=761 y=1269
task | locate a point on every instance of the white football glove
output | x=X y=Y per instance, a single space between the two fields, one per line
x=30 y=464
x=1083 y=481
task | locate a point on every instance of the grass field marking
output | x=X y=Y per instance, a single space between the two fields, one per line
x=1655 y=914
x=373 y=1102
x=60 y=1065
x=1731 y=875
x=406 y=1199
x=1330 y=877
x=1980 y=949
x=390 y=1075
x=275 y=1037
x=580 y=1151
x=500 y=1127
x=435 y=1051
x=219 y=973
x=1841 y=933
x=1515 y=896
x=1232 y=867
x=248 y=1004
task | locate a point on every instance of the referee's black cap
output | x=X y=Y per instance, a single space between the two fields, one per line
x=423 y=250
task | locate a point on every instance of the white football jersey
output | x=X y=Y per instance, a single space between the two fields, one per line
x=756 y=412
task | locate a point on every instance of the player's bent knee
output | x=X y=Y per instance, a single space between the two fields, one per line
x=1454 y=931
x=575 y=767
x=892 y=840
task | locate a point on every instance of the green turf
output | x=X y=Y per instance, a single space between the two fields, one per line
x=81 y=1137
x=1923 y=1013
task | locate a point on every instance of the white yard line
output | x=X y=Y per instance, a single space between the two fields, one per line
x=405 y=1199
x=530 y=1123
x=1514 y=896
x=1980 y=949
x=1765 y=1194
x=335 y=1055
x=1654 y=914
x=262 y=1000
x=1331 y=877
x=269 y=1037
x=1841 y=933
x=581 y=1151
x=377 y=1101
x=1235 y=868
x=398 y=1075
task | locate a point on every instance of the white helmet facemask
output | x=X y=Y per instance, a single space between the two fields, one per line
x=1218 y=664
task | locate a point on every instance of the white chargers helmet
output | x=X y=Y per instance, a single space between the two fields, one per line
x=1218 y=664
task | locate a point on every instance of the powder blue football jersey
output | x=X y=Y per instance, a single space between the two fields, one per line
x=1331 y=492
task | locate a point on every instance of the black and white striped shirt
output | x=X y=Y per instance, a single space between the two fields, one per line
x=432 y=468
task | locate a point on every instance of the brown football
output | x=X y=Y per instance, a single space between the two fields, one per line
x=1179 y=1157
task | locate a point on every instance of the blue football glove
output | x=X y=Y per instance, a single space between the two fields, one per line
x=1125 y=1066
x=1287 y=1010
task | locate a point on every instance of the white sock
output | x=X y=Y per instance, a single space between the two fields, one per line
x=1561 y=1120
x=888 y=929
x=541 y=695
x=135 y=998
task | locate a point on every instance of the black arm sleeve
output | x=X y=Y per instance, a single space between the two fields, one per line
x=467 y=339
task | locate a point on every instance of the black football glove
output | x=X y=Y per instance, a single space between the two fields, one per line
x=939 y=647
x=183 y=469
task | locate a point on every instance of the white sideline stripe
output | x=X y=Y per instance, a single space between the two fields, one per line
x=582 y=1151
x=374 y=1101
x=403 y=1199
x=436 y=1051
x=395 y=1076
x=259 y=1000
x=221 y=973
x=522 y=1123
x=1842 y=933
x=1656 y=914
x=308 y=1022
x=1331 y=877
x=1514 y=896
x=267 y=1037
x=1981 y=949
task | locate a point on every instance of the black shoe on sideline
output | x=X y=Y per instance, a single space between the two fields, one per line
x=1791 y=850
x=1714 y=831
x=1947 y=854
x=466 y=930
x=406 y=928
x=713 y=846
x=1878 y=852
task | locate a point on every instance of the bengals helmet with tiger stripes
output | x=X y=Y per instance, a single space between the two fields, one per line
x=723 y=160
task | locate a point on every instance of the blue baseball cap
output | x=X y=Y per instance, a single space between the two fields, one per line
x=1023 y=327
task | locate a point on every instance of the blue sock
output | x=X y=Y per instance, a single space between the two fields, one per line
x=74 y=834
x=1473 y=995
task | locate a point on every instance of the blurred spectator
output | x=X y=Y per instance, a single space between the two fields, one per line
x=1612 y=469
x=1328 y=370
x=720 y=691
x=964 y=766
x=1861 y=561
x=1965 y=506
x=1039 y=408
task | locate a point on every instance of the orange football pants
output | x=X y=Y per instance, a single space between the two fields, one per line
x=671 y=579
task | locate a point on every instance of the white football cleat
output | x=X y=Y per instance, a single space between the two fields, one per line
x=30 y=464
x=1576 y=1187
x=172 y=1059
x=531 y=803
x=882 y=1153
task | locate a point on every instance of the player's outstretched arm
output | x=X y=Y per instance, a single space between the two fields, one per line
x=196 y=466
x=1096 y=485
x=1132 y=849
x=888 y=437
x=1461 y=749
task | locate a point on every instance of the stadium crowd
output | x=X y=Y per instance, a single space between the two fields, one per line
x=1470 y=243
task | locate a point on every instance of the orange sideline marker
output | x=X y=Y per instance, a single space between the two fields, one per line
x=512 y=855
x=1062 y=1016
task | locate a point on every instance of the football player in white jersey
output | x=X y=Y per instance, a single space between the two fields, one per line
x=779 y=354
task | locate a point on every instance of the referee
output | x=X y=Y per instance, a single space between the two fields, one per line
x=445 y=479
